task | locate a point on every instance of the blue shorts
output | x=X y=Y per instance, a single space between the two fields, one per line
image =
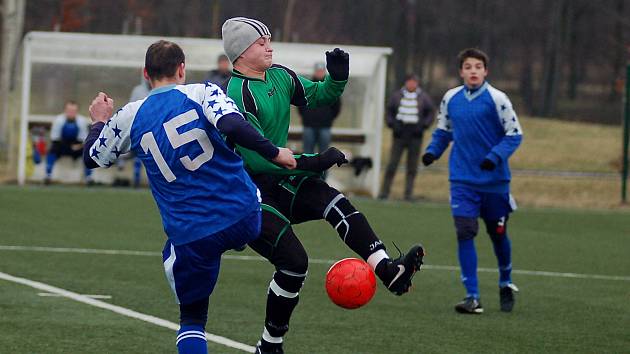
x=468 y=202
x=192 y=269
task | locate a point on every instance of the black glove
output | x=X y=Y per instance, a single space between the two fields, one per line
x=487 y=165
x=321 y=162
x=428 y=158
x=338 y=64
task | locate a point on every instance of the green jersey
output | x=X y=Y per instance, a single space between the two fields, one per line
x=266 y=105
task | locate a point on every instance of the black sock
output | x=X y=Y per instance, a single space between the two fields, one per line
x=282 y=298
x=353 y=227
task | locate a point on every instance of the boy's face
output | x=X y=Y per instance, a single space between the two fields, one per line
x=71 y=110
x=259 y=55
x=474 y=72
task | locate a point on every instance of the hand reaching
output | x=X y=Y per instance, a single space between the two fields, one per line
x=338 y=64
x=322 y=162
x=285 y=158
x=428 y=159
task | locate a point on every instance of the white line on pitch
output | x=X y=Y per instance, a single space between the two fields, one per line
x=105 y=297
x=313 y=261
x=120 y=310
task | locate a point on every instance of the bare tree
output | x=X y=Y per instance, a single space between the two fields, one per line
x=553 y=56
x=288 y=20
x=12 y=30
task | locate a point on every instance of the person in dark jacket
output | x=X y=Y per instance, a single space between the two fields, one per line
x=222 y=74
x=318 y=120
x=409 y=112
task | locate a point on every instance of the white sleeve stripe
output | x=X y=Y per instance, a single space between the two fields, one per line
x=444 y=122
x=505 y=111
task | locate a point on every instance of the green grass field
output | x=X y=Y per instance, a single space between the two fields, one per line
x=554 y=313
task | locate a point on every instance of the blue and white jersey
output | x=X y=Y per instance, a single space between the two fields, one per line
x=199 y=184
x=64 y=129
x=482 y=125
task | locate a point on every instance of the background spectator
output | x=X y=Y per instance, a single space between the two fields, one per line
x=317 y=121
x=139 y=92
x=68 y=131
x=222 y=74
x=409 y=112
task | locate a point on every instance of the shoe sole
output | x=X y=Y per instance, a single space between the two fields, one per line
x=419 y=258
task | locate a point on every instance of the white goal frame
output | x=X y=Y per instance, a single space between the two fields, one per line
x=127 y=51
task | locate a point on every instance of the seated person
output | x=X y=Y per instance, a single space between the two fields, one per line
x=67 y=133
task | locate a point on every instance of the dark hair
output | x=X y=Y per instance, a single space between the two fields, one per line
x=162 y=59
x=222 y=57
x=472 y=53
x=70 y=102
x=412 y=76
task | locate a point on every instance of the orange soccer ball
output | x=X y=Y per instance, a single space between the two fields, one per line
x=350 y=283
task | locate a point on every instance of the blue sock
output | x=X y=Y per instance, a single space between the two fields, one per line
x=503 y=251
x=88 y=174
x=50 y=162
x=468 y=263
x=137 y=165
x=191 y=339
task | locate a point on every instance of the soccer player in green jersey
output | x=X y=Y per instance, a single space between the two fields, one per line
x=264 y=92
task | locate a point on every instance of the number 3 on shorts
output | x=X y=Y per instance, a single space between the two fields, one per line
x=149 y=145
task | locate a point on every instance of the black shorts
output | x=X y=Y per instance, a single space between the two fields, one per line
x=64 y=148
x=298 y=198
x=288 y=200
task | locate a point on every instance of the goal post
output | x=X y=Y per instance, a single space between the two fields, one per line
x=60 y=66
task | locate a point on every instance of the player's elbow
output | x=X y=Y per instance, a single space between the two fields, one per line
x=87 y=159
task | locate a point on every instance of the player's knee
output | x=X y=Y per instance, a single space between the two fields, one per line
x=287 y=283
x=466 y=228
x=497 y=229
x=195 y=313
x=288 y=279
x=297 y=261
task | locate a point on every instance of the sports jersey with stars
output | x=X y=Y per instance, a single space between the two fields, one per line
x=199 y=183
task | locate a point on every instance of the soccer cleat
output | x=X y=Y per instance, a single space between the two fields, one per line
x=469 y=305
x=404 y=268
x=506 y=297
x=275 y=349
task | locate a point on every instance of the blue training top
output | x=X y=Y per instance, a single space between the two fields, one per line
x=482 y=125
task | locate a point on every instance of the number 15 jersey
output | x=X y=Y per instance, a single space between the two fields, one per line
x=198 y=182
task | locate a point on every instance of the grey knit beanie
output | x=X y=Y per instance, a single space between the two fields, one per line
x=239 y=33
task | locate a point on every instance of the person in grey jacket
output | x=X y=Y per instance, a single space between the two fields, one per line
x=409 y=112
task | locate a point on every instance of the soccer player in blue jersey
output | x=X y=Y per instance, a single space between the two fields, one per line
x=207 y=201
x=485 y=132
